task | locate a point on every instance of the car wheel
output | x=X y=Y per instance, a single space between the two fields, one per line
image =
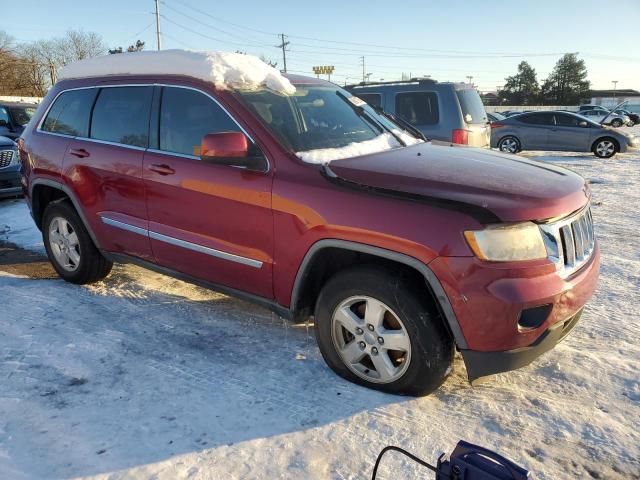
x=605 y=147
x=69 y=246
x=509 y=145
x=630 y=123
x=375 y=329
x=617 y=123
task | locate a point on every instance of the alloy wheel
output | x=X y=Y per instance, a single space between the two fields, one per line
x=509 y=145
x=371 y=339
x=605 y=148
x=64 y=244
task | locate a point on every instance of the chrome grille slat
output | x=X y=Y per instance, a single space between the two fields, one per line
x=574 y=241
x=6 y=156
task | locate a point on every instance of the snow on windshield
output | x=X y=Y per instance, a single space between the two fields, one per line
x=381 y=143
x=225 y=70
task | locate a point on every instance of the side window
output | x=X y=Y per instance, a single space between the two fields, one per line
x=373 y=99
x=537 y=118
x=121 y=115
x=186 y=116
x=418 y=108
x=69 y=115
x=567 y=120
x=4 y=115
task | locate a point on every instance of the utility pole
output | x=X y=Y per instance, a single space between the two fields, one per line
x=470 y=77
x=158 y=25
x=615 y=84
x=364 y=76
x=283 y=46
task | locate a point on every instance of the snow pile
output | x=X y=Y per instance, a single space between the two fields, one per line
x=225 y=70
x=381 y=143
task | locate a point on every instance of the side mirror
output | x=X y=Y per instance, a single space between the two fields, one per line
x=583 y=124
x=233 y=149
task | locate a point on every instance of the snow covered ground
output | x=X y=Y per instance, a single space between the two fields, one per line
x=143 y=376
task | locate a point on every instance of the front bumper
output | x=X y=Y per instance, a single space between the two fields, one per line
x=480 y=365
x=10 y=184
x=489 y=301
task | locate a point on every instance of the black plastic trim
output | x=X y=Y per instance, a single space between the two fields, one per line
x=430 y=278
x=481 y=365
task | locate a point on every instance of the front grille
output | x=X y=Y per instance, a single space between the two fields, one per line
x=570 y=241
x=5 y=158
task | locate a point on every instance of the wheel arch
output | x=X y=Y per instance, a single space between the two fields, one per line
x=315 y=270
x=605 y=137
x=44 y=191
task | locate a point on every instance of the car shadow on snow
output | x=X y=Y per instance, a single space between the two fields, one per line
x=147 y=367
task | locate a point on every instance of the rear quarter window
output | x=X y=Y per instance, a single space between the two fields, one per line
x=121 y=115
x=418 y=108
x=471 y=105
x=70 y=112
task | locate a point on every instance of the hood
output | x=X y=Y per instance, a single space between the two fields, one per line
x=505 y=187
x=6 y=142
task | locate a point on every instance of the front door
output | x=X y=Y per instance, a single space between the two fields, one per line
x=568 y=135
x=213 y=222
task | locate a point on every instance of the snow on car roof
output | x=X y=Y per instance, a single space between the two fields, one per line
x=226 y=70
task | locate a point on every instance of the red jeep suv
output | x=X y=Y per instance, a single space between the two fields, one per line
x=313 y=204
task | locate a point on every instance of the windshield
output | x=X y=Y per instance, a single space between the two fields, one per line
x=471 y=104
x=21 y=116
x=325 y=120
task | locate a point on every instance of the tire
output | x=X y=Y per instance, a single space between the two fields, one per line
x=616 y=123
x=605 y=147
x=630 y=123
x=74 y=257
x=509 y=144
x=425 y=350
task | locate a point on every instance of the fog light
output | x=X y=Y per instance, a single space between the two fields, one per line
x=531 y=318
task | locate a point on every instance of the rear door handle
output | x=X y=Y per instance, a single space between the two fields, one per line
x=162 y=169
x=79 y=152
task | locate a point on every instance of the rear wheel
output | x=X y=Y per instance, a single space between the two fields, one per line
x=69 y=246
x=374 y=329
x=616 y=123
x=509 y=144
x=605 y=147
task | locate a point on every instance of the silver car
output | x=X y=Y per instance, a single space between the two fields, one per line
x=559 y=131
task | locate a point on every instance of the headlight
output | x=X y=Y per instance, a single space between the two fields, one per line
x=506 y=243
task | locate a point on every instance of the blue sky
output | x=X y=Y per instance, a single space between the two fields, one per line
x=448 y=40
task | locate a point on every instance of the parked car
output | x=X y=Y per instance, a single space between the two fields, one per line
x=634 y=118
x=605 y=118
x=310 y=204
x=443 y=112
x=582 y=108
x=14 y=117
x=495 y=116
x=559 y=131
x=9 y=169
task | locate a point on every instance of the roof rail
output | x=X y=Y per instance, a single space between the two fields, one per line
x=413 y=80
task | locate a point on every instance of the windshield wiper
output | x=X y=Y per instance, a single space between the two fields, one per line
x=402 y=123
x=360 y=111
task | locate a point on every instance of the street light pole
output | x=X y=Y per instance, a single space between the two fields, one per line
x=615 y=84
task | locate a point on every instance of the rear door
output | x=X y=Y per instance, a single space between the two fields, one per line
x=104 y=168
x=533 y=129
x=474 y=117
x=568 y=135
x=213 y=222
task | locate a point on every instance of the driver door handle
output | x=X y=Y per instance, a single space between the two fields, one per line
x=79 y=152
x=162 y=169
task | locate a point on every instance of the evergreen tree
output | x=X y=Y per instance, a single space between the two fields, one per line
x=521 y=88
x=567 y=84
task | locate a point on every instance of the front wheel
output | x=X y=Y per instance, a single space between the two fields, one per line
x=509 y=144
x=375 y=329
x=605 y=148
x=69 y=246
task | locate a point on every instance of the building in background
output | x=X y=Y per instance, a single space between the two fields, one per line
x=610 y=98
